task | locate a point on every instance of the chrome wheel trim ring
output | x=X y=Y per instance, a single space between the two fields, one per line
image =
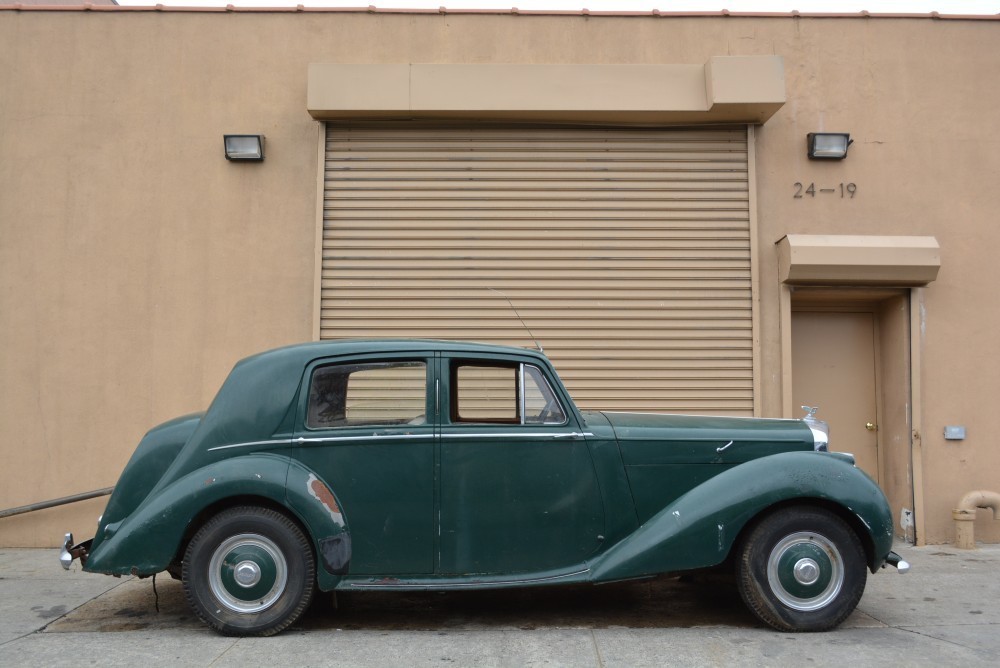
x=801 y=570
x=217 y=564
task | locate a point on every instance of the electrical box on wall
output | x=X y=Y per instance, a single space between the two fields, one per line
x=954 y=433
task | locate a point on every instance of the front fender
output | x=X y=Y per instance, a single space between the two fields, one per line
x=148 y=540
x=699 y=529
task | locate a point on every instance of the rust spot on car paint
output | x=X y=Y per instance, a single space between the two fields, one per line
x=322 y=493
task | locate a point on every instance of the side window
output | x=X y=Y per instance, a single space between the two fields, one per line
x=503 y=393
x=368 y=393
x=484 y=393
x=540 y=403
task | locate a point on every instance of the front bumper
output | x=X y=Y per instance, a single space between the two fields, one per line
x=70 y=551
x=901 y=564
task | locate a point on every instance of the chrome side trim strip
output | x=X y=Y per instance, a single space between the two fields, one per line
x=250 y=444
x=430 y=584
x=373 y=437
x=550 y=434
x=382 y=437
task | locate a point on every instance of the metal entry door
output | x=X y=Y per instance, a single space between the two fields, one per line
x=834 y=367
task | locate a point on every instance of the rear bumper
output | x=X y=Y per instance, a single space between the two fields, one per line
x=70 y=552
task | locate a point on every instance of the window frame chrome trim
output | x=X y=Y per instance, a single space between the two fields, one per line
x=520 y=391
x=552 y=392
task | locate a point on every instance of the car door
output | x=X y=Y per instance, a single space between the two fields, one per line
x=519 y=491
x=367 y=427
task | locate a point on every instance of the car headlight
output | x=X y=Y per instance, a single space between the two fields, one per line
x=820 y=429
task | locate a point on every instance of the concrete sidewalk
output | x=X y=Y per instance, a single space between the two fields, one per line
x=946 y=611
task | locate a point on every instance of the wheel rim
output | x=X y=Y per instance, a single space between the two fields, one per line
x=805 y=571
x=247 y=573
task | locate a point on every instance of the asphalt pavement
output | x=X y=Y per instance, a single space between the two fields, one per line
x=945 y=612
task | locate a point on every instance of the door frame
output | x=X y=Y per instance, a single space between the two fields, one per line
x=868 y=297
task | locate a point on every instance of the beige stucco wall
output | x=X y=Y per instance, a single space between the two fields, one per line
x=137 y=265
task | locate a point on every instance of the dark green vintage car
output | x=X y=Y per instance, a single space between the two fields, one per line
x=395 y=465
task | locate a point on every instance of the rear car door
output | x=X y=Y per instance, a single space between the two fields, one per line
x=367 y=427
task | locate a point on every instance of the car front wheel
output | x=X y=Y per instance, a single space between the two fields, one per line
x=802 y=569
x=249 y=571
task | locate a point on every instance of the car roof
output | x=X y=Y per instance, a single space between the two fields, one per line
x=337 y=347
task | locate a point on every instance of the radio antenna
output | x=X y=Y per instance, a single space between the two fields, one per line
x=512 y=308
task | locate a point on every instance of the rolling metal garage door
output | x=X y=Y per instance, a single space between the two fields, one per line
x=625 y=251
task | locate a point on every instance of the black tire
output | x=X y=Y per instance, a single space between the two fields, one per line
x=801 y=569
x=249 y=571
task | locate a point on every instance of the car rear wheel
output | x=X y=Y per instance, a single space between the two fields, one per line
x=249 y=571
x=802 y=569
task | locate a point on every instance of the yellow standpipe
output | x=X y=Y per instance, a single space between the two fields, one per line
x=965 y=515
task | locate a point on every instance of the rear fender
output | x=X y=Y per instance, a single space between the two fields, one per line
x=318 y=507
x=150 y=538
x=698 y=530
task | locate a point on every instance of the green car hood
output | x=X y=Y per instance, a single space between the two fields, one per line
x=651 y=439
x=666 y=456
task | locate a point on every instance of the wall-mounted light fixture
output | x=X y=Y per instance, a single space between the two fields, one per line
x=244 y=148
x=828 y=145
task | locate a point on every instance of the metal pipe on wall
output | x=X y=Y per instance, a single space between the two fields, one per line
x=965 y=515
x=42 y=505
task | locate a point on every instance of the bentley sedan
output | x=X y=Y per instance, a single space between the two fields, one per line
x=433 y=465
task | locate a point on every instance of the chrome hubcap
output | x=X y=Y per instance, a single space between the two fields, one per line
x=246 y=574
x=806 y=571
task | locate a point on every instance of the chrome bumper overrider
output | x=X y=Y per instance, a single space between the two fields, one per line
x=70 y=551
x=895 y=560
